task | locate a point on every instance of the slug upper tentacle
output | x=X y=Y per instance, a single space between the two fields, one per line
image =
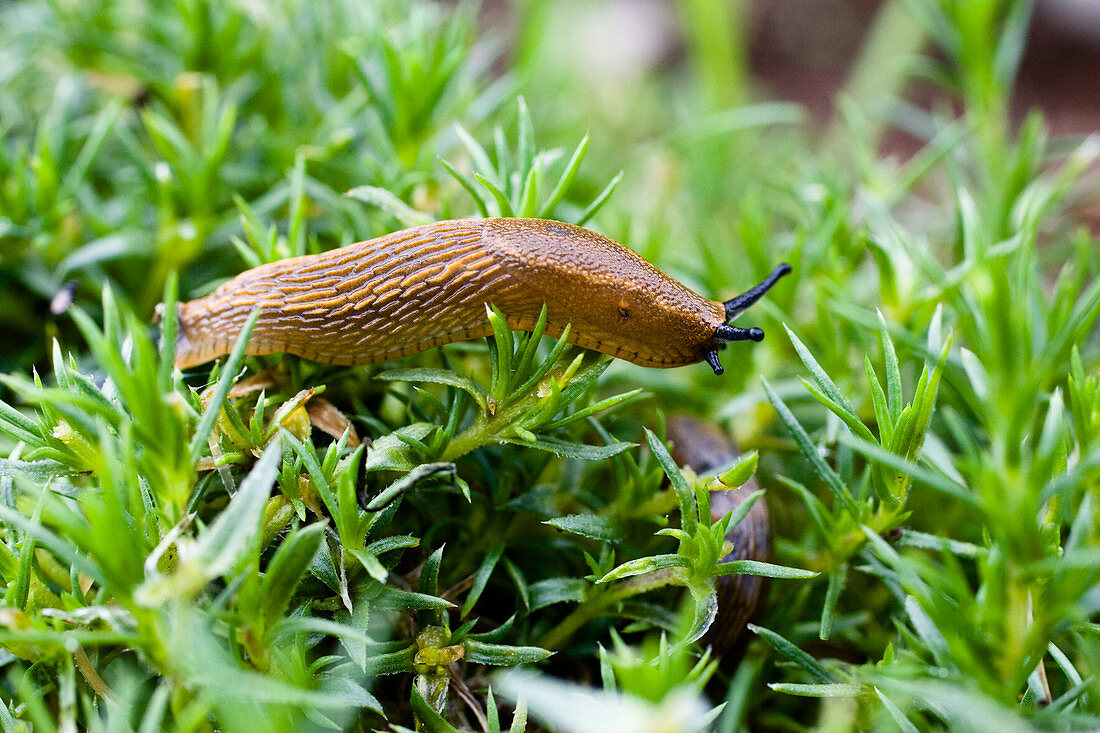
x=419 y=288
x=737 y=305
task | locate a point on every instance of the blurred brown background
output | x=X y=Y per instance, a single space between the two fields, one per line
x=800 y=50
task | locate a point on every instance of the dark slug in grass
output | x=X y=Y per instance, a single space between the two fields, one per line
x=741 y=598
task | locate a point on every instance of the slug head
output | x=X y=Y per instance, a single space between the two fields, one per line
x=616 y=302
x=725 y=333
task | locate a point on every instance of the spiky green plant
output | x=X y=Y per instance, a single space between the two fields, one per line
x=278 y=544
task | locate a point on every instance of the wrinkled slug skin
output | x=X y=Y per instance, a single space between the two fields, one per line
x=416 y=289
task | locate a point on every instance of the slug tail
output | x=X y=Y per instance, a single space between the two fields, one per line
x=186 y=355
x=189 y=352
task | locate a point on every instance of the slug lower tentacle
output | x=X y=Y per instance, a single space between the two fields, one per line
x=423 y=287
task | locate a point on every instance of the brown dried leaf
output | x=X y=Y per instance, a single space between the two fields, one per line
x=326 y=418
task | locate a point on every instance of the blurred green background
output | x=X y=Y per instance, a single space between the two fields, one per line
x=927 y=424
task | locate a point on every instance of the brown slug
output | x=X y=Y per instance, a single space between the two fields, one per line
x=412 y=290
x=741 y=598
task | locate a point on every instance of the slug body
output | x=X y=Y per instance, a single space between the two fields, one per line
x=419 y=288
